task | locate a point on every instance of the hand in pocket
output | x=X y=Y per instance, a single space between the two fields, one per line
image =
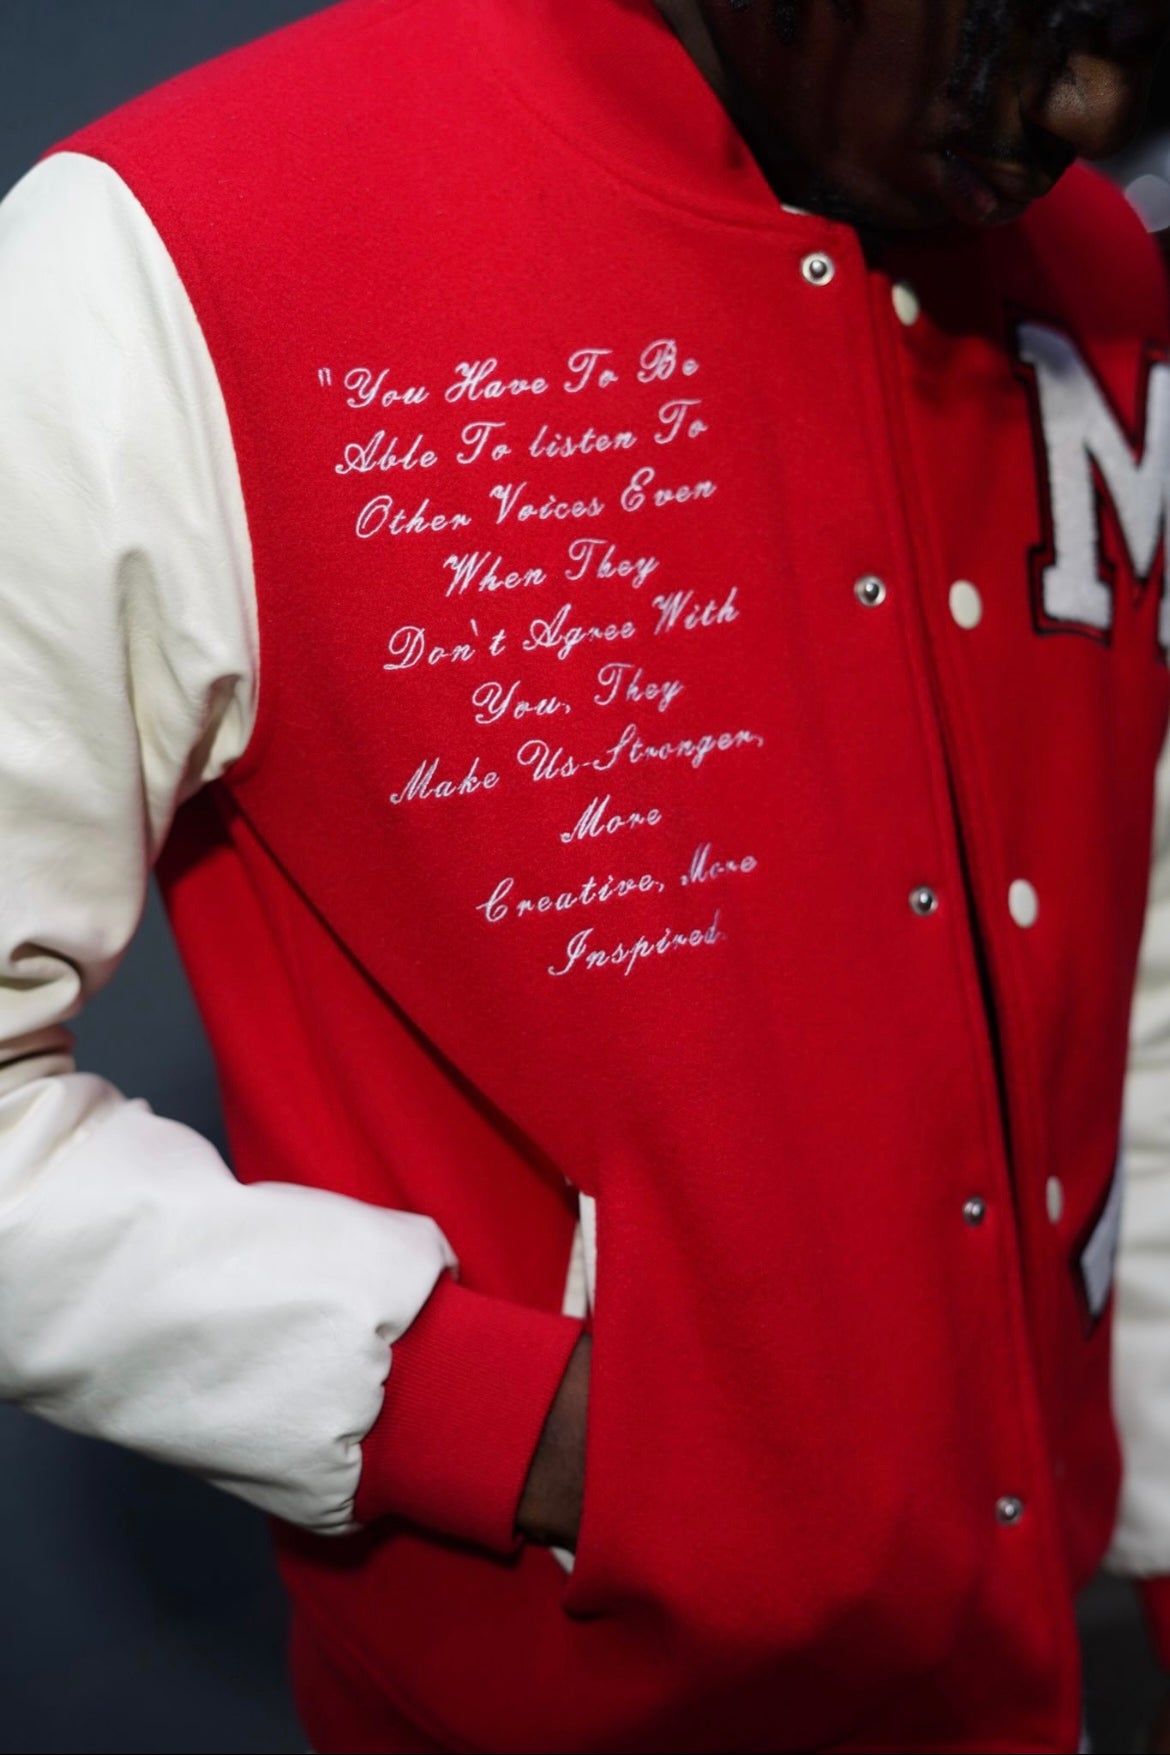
x=550 y=1506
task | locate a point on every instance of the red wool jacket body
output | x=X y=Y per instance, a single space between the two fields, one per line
x=704 y=760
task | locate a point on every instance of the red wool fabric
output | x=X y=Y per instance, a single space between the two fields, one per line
x=575 y=850
x=477 y=1378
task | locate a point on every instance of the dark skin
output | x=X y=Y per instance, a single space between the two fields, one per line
x=550 y=1510
x=855 y=119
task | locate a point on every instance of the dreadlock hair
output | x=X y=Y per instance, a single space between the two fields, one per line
x=985 y=33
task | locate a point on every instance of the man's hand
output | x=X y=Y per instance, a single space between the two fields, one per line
x=550 y=1508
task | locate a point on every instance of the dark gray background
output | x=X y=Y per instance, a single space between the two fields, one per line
x=138 y=1609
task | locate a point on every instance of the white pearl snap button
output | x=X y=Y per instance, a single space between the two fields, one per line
x=906 y=303
x=1054 y=1199
x=966 y=604
x=1023 y=903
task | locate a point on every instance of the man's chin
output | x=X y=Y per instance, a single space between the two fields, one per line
x=884 y=213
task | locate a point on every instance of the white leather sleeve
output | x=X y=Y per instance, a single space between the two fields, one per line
x=145 y=1296
x=1141 y=1543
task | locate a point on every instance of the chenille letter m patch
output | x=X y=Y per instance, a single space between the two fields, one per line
x=1090 y=461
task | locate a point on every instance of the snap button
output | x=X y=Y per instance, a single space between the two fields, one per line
x=923 y=901
x=871 y=590
x=1009 y=1509
x=906 y=303
x=818 y=269
x=1023 y=903
x=974 y=1210
x=966 y=604
x=1054 y=1199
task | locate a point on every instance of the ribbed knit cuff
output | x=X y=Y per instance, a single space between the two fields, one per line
x=470 y=1387
x=1155 y=1594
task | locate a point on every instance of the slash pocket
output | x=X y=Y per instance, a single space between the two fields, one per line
x=578 y=1299
x=1095 y=1256
x=578 y=1598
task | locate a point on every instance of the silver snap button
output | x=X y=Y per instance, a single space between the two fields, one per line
x=817 y=269
x=1009 y=1510
x=974 y=1210
x=1054 y=1199
x=923 y=901
x=871 y=590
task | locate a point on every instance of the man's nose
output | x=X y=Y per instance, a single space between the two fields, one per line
x=1094 y=106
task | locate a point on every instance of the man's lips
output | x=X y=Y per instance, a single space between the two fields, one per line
x=983 y=191
x=1016 y=185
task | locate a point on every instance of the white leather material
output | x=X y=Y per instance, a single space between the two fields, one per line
x=145 y=1296
x=1141 y=1350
